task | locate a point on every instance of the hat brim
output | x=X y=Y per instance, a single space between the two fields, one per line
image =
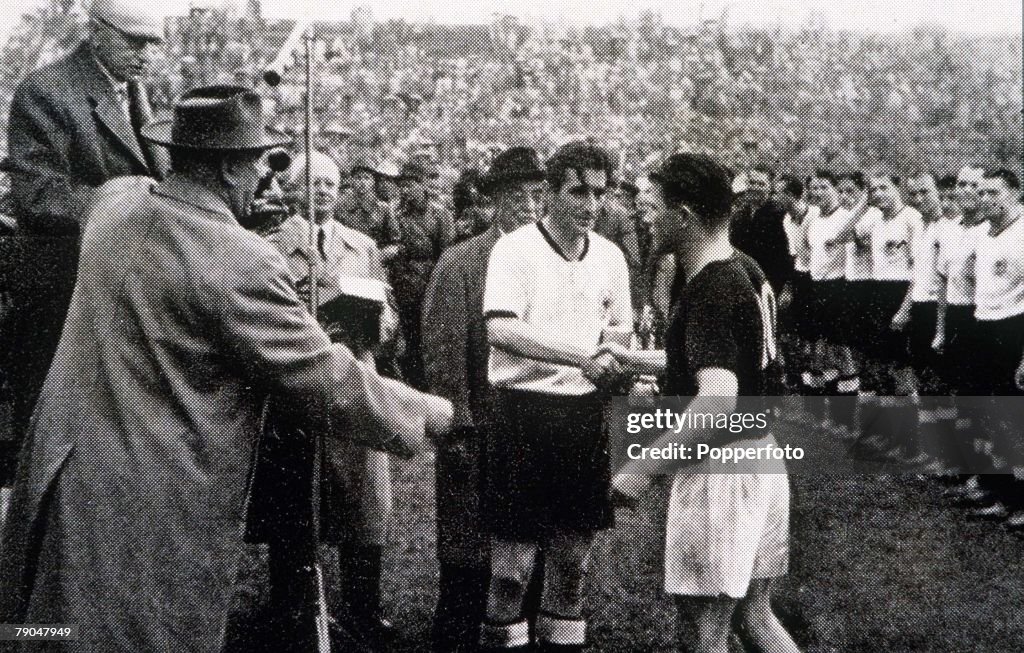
x=160 y=132
x=489 y=184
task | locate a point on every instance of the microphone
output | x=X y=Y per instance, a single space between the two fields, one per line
x=275 y=71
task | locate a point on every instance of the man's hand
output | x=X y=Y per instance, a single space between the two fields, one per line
x=900 y=320
x=939 y=344
x=438 y=419
x=1018 y=377
x=620 y=353
x=627 y=489
x=602 y=370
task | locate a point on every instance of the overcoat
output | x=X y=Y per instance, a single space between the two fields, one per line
x=455 y=351
x=355 y=493
x=127 y=511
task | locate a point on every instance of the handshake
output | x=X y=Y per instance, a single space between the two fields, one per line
x=608 y=368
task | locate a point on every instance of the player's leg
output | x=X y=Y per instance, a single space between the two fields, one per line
x=703 y=623
x=504 y=628
x=560 y=623
x=761 y=627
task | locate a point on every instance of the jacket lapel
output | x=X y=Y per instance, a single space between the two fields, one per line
x=105 y=106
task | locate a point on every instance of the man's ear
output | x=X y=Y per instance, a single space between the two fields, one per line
x=230 y=171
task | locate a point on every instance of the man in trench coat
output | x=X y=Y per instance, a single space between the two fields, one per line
x=455 y=356
x=355 y=492
x=74 y=124
x=128 y=505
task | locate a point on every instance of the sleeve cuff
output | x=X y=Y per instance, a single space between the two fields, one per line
x=489 y=314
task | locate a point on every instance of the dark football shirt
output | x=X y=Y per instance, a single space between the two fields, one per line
x=725 y=317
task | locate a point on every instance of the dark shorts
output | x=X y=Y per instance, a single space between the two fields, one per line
x=959 y=365
x=923 y=316
x=547 y=467
x=1001 y=343
x=801 y=314
x=829 y=307
x=881 y=342
x=859 y=307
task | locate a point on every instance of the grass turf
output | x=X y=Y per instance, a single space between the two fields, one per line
x=878 y=564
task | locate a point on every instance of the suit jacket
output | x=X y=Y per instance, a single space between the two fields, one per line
x=355 y=492
x=455 y=351
x=67 y=135
x=127 y=511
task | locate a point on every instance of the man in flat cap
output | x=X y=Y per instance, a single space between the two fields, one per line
x=74 y=124
x=128 y=506
x=455 y=351
x=427 y=229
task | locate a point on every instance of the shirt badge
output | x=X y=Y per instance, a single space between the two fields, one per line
x=1000 y=268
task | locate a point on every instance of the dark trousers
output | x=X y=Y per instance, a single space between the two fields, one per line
x=294 y=597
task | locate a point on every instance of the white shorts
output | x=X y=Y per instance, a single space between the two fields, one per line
x=725 y=530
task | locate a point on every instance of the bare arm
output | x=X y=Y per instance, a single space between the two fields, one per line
x=717 y=393
x=518 y=337
x=939 y=341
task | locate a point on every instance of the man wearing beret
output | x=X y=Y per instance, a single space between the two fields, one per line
x=455 y=352
x=427 y=229
x=74 y=124
x=128 y=507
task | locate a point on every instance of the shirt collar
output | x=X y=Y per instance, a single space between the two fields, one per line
x=186 y=191
x=119 y=87
x=558 y=250
x=296 y=230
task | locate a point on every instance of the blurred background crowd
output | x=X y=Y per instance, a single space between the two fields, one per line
x=801 y=95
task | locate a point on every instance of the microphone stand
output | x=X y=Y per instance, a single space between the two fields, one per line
x=303 y=31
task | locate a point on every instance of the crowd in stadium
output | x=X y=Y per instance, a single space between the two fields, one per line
x=492 y=240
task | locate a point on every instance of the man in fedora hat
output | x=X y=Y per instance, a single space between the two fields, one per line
x=455 y=354
x=128 y=506
x=426 y=230
x=74 y=124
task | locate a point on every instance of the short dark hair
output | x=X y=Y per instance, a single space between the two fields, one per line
x=827 y=175
x=1009 y=177
x=854 y=177
x=700 y=183
x=946 y=182
x=883 y=173
x=578 y=156
x=792 y=185
x=462 y=193
x=917 y=173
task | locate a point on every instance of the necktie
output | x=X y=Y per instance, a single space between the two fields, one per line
x=140 y=113
x=321 y=242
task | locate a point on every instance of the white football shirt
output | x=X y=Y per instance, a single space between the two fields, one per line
x=574 y=301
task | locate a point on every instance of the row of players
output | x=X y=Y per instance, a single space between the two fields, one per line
x=923 y=296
